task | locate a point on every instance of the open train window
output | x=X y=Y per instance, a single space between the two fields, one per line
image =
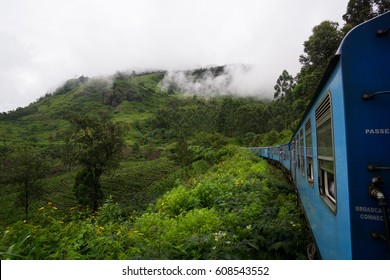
x=309 y=153
x=326 y=170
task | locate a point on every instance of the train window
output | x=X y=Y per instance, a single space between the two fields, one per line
x=292 y=148
x=285 y=153
x=309 y=153
x=296 y=152
x=301 y=153
x=326 y=170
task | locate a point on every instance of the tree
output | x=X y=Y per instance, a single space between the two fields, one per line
x=381 y=6
x=319 y=49
x=25 y=168
x=284 y=85
x=182 y=155
x=225 y=119
x=97 y=146
x=321 y=45
x=359 y=11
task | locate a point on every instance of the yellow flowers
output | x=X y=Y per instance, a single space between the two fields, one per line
x=137 y=232
x=120 y=232
x=51 y=206
x=238 y=182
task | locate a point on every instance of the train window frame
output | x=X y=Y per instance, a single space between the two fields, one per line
x=292 y=157
x=309 y=153
x=297 y=159
x=301 y=153
x=327 y=185
x=296 y=153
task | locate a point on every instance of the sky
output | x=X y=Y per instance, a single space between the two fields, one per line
x=43 y=43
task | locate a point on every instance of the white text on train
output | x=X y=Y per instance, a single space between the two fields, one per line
x=377 y=131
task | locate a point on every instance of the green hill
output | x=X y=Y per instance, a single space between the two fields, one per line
x=181 y=165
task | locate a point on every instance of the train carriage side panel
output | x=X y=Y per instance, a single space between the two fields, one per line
x=256 y=150
x=366 y=70
x=342 y=145
x=265 y=152
x=327 y=214
x=284 y=151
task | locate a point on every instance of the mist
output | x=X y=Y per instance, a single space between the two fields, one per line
x=233 y=79
x=44 y=42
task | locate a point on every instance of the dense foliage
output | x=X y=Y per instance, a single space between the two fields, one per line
x=240 y=209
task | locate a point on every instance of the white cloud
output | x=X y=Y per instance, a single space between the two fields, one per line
x=45 y=42
x=236 y=79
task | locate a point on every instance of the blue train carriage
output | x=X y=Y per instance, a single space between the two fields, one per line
x=341 y=150
x=259 y=151
x=284 y=157
x=278 y=155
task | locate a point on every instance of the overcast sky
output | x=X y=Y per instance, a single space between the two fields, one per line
x=45 y=42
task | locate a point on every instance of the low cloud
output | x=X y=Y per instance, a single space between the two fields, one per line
x=44 y=43
x=234 y=79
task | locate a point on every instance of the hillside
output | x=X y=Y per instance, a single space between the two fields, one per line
x=180 y=163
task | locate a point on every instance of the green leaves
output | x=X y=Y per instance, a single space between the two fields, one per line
x=25 y=167
x=236 y=210
x=98 y=141
x=97 y=144
x=240 y=209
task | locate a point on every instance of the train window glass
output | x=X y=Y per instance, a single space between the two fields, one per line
x=297 y=145
x=326 y=170
x=296 y=152
x=293 y=152
x=309 y=153
x=301 y=153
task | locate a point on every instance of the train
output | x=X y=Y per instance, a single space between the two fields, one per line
x=339 y=156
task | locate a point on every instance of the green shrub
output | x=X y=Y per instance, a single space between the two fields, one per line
x=241 y=208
